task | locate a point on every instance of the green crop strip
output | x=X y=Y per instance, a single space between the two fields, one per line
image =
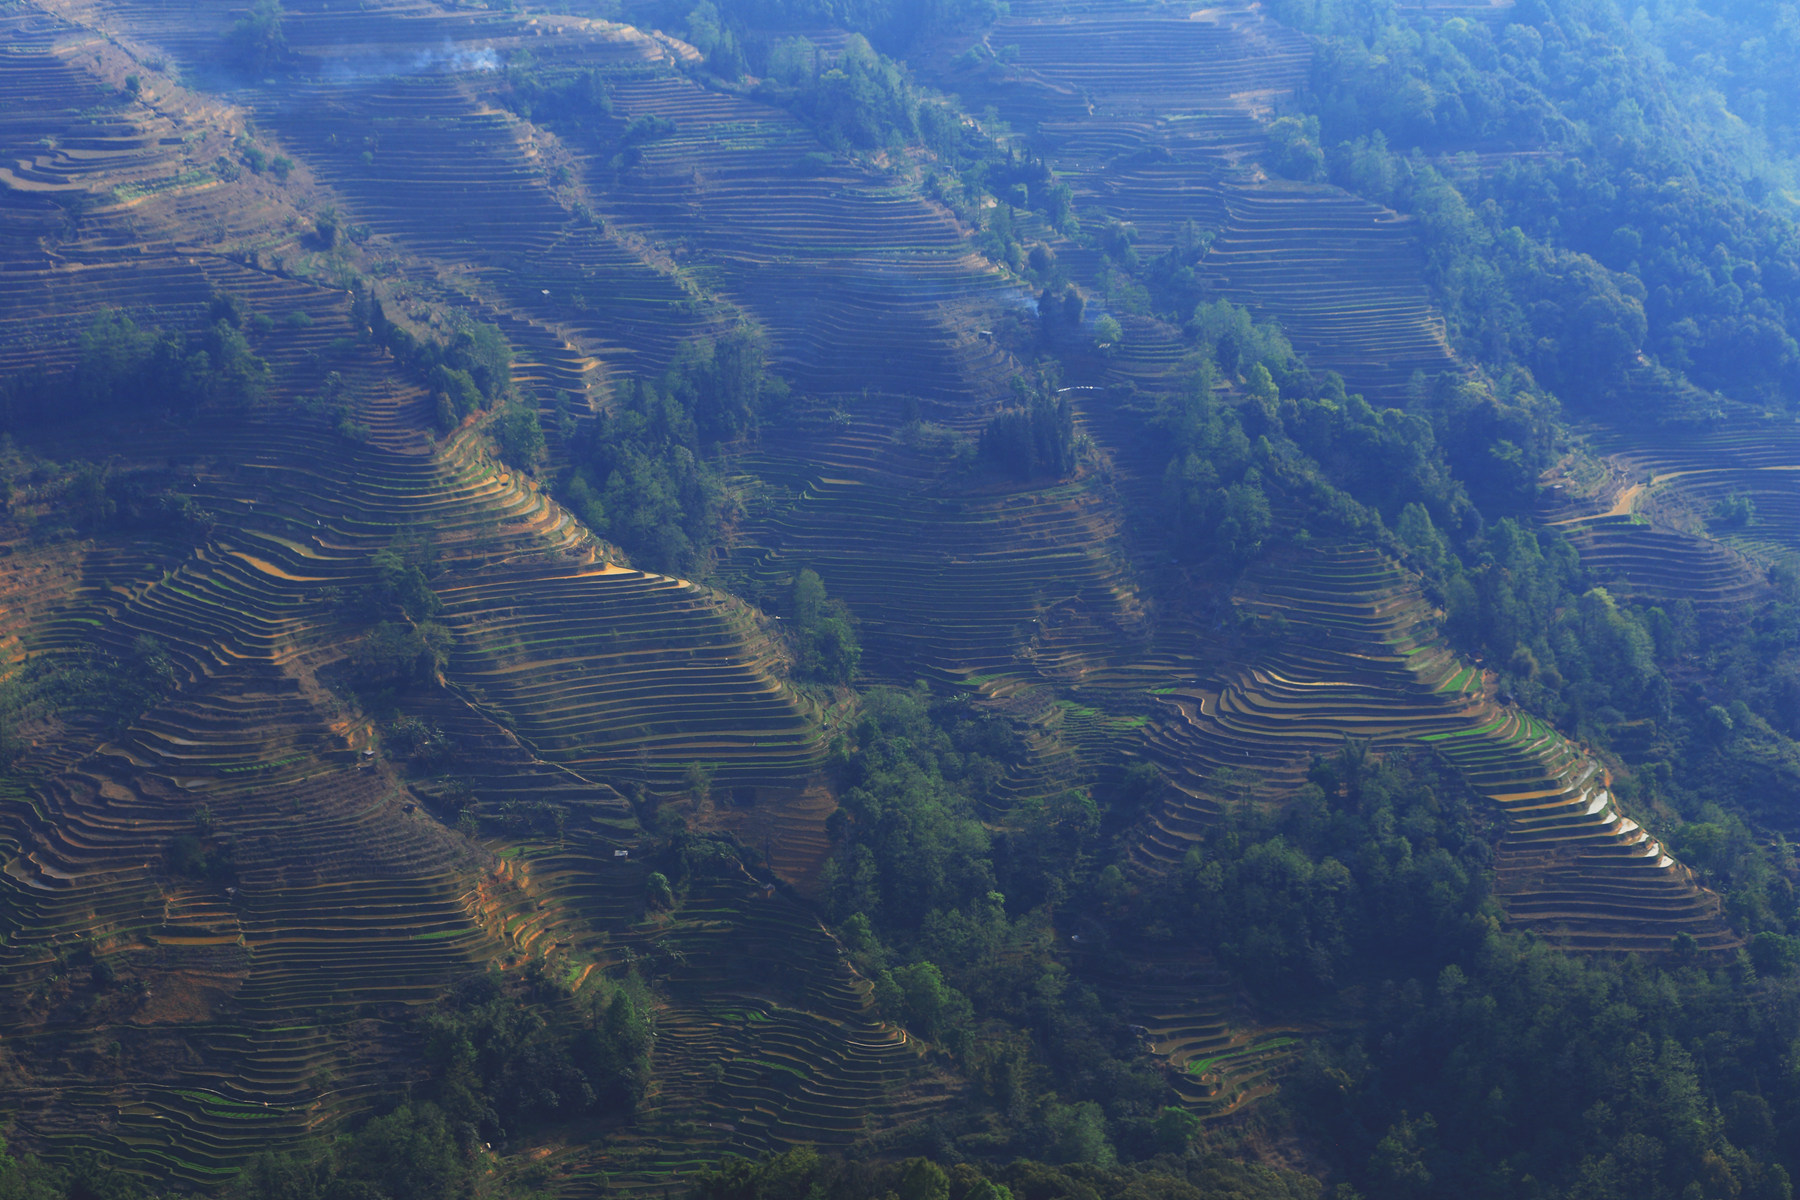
x=128 y=192
x=214 y=1100
x=1490 y=727
x=1201 y=1065
x=290 y=760
x=789 y=1068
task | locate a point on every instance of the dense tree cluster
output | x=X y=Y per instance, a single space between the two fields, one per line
x=1034 y=438
x=124 y=371
x=645 y=474
x=1735 y=49
x=468 y=372
x=257 y=40
x=1212 y=491
x=955 y=921
x=27 y=1177
x=856 y=98
x=804 y=1175
x=822 y=630
x=1377 y=865
x=504 y=1064
x=1372 y=883
x=405 y=643
x=578 y=101
x=1625 y=225
x=1530 y=1071
x=414 y=1152
x=1253 y=427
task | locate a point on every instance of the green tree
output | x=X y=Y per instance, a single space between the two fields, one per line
x=409 y=1154
x=917 y=997
x=825 y=641
x=258 y=41
x=1076 y=1133
x=518 y=434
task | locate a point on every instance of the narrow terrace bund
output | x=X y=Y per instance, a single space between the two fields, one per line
x=1359 y=655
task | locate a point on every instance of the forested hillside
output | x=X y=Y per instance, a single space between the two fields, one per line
x=952 y=600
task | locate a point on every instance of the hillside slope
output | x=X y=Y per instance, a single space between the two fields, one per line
x=337 y=700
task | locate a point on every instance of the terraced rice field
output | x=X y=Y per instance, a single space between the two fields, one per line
x=1343 y=277
x=840 y=265
x=1691 y=478
x=753 y=1058
x=280 y=997
x=1149 y=60
x=341 y=907
x=1359 y=655
x=274 y=1009
x=887 y=279
x=1686 y=515
x=455 y=180
x=1016 y=578
x=859 y=280
x=1192 y=1016
x=621 y=673
x=1638 y=558
x=105 y=200
x=148 y=172
x=1153 y=112
x=271 y=1010
x=385 y=125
